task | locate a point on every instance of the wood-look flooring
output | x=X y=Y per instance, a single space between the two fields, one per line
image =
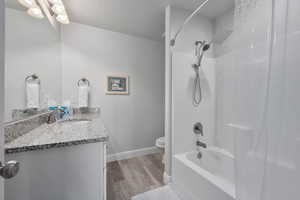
x=127 y=178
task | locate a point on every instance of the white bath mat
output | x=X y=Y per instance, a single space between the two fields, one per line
x=162 y=193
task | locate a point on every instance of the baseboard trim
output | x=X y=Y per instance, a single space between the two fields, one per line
x=133 y=153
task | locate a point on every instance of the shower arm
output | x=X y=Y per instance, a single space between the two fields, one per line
x=173 y=41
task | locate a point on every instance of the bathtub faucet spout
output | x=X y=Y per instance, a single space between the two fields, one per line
x=201 y=144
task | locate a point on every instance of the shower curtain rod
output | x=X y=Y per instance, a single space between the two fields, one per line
x=173 y=41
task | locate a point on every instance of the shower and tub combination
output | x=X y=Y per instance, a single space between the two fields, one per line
x=233 y=118
x=200 y=167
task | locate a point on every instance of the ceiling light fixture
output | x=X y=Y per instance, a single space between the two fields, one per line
x=53 y=9
x=35 y=12
x=58 y=9
x=63 y=19
x=27 y=3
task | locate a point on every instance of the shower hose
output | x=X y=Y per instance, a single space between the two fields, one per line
x=197 y=93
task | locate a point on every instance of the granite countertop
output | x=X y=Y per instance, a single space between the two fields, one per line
x=59 y=134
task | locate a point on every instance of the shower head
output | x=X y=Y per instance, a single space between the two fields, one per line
x=203 y=45
x=200 y=48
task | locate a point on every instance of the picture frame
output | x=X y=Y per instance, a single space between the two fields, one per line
x=117 y=85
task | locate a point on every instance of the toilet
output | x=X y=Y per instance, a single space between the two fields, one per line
x=160 y=143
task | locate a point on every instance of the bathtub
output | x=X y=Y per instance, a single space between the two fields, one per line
x=208 y=178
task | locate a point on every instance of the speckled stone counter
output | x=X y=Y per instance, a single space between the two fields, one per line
x=59 y=134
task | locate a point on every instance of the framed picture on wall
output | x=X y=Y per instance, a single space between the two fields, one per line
x=117 y=85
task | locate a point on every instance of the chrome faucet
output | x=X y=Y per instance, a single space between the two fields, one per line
x=201 y=144
x=199 y=152
x=51 y=118
x=198 y=129
x=61 y=112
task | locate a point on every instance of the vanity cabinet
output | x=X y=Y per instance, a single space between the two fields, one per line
x=75 y=172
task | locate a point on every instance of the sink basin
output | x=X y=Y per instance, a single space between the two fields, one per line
x=75 y=121
x=73 y=126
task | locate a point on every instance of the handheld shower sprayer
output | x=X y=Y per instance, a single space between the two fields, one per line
x=200 y=48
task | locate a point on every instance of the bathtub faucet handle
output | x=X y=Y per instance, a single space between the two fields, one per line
x=198 y=128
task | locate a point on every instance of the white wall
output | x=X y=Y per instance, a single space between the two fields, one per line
x=199 y=28
x=185 y=115
x=223 y=28
x=135 y=120
x=2 y=64
x=223 y=24
x=32 y=46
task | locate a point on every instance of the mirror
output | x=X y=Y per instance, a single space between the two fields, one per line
x=33 y=64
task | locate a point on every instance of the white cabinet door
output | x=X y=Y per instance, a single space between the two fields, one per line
x=2 y=21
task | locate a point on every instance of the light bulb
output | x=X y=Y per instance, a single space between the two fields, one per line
x=35 y=12
x=58 y=9
x=27 y=3
x=63 y=19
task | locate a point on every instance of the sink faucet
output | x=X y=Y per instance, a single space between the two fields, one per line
x=51 y=118
x=57 y=114
x=61 y=112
